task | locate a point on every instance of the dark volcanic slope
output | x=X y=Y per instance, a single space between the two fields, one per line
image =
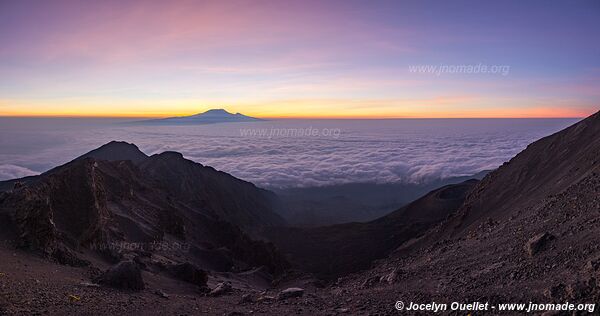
x=200 y=187
x=548 y=166
x=528 y=232
x=100 y=199
x=229 y=198
x=332 y=251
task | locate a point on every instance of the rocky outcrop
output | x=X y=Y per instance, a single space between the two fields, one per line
x=189 y=273
x=218 y=194
x=537 y=243
x=65 y=209
x=162 y=205
x=221 y=289
x=290 y=293
x=126 y=275
x=33 y=218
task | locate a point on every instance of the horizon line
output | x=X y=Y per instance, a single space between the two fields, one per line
x=74 y=116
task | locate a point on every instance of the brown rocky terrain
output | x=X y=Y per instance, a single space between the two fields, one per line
x=127 y=206
x=528 y=232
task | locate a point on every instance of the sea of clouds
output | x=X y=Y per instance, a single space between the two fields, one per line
x=282 y=153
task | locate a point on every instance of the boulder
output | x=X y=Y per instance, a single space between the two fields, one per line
x=290 y=292
x=125 y=275
x=264 y=297
x=538 y=243
x=188 y=272
x=551 y=313
x=580 y=289
x=393 y=276
x=65 y=256
x=555 y=292
x=370 y=282
x=593 y=265
x=220 y=289
x=247 y=298
x=161 y=294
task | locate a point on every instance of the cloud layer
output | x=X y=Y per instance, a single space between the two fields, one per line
x=12 y=172
x=382 y=151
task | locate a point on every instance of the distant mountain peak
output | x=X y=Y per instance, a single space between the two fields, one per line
x=215 y=112
x=208 y=117
x=220 y=111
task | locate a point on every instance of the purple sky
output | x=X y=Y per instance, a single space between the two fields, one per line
x=300 y=58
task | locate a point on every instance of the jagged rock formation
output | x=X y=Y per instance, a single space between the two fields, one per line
x=116 y=195
x=125 y=275
x=189 y=273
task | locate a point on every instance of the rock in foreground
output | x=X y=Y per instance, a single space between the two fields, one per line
x=538 y=243
x=220 y=289
x=189 y=273
x=124 y=276
x=290 y=292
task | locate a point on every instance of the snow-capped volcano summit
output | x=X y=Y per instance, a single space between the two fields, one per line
x=208 y=117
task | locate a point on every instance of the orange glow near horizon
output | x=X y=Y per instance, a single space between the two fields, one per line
x=457 y=106
x=408 y=113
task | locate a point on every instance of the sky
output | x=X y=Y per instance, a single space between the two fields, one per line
x=308 y=59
